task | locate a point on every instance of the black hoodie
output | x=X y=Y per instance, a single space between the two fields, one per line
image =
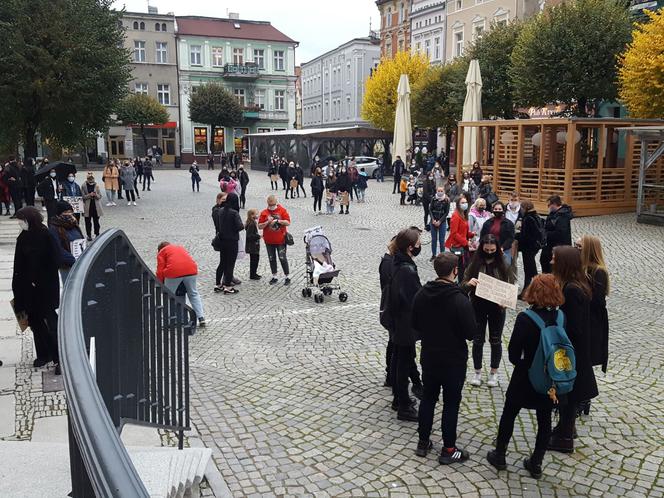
x=405 y=284
x=444 y=320
x=558 y=227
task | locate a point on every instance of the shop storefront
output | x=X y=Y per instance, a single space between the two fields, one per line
x=123 y=143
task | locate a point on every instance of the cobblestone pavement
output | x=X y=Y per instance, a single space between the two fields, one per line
x=289 y=394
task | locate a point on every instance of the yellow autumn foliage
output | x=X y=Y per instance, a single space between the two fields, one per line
x=641 y=71
x=380 y=90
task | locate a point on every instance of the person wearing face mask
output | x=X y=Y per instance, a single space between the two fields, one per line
x=317 y=188
x=444 y=354
x=252 y=245
x=397 y=170
x=35 y=284
x=13 y=177
x=50 y=190
x=487 y=259
x=513 y=210
x=469 y=187
x=486 y=191
x=558 y=228
x=64 y=228
x=272 y=172
x=111 y=184
x=243 y=178
x=476 y=173
x=428 y=193
x=452 y=188
x=274 y=222
x=92 y=205
x=71 y=189
x=330 y=191
x=460 y=234
x=438 y=175
x=403 y=287
x=530 y=240
x=439 y=208
x=476 y=219
x=228 y=225
x=291 y=178
x=299 y=176
x=127 y=177
x=501 y=228
x=28 y=180
x=343 y=187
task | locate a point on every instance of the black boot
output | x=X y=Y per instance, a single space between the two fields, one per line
x=561 y=444
x=532 y=467
x=497 y=459
x=408 y=414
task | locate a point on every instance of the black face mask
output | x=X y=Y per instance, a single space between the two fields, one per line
x=416 y=250
x=488 y=255
x=498 y=214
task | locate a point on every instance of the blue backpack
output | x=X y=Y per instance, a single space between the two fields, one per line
x=553 y=369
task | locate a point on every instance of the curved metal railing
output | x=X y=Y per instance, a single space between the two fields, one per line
x=123 y=341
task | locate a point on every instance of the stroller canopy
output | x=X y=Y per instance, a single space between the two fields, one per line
x=319 y=244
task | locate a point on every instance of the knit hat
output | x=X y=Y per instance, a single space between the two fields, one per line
x=62 y=206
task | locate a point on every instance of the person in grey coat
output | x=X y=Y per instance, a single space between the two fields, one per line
x=127 y=177
x=92 y=205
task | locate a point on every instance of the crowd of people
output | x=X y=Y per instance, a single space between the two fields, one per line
x=569 y=295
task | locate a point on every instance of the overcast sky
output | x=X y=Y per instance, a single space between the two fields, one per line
x=319 y=25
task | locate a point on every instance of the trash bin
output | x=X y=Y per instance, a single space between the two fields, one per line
x=178 y=162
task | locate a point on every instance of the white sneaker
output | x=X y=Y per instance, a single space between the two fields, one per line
x=113 y=204
x=109 y=204
x=129 y=203
x=477 y=379
x=134 y=203
x=493 y=380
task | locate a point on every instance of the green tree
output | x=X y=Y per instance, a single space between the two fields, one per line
x=141 y=109
x=569 y=53
x=493 y=50
x=64 y=69
x=213 y=105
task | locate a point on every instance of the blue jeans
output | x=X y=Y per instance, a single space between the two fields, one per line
x=438 y=234
x=189 y=282
x=507 y=256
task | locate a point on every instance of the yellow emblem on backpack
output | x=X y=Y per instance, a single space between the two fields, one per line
x=561 y=360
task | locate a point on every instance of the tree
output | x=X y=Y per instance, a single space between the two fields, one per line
x=213 y=105
x=380 y=93
x=64 y=69
x=569 y=52
x=141 y=109
x=493 y=50
x=641 y=72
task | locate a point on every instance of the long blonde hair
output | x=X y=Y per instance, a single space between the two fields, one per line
x=592 y=257
x=250 y=217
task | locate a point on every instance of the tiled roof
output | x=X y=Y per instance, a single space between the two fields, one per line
x=225 y=28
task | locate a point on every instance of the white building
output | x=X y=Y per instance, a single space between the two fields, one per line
x=333 y=84
x=428 y=20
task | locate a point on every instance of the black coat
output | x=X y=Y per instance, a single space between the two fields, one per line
x=404 y=286
x=443 y=341
x=428 y=191
x=343 y=183
x=252 y=244
x=397 y=169
x=317 y=185
x=577 y=312
x=45 y=189
x=385 y=269
x=243 y=177
x=521 y=350
x=599 y=320
x=506 y=236
x=558 y=227
x=36 y=283
x=28 y=177
x=228 y=223
x=476 y=175
x=13 y=171
x=529 y=235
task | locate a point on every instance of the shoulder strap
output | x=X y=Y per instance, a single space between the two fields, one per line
x=535 y=318
x=560 y=319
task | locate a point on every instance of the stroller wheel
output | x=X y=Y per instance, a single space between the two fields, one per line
x=318 y=298
x=343 y=297
x=309 y=292
x=327 y=291
x=304 y=292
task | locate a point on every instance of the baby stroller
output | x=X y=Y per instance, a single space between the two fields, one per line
x=321 y=270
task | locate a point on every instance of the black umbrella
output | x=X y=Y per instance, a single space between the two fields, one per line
x=62 y=170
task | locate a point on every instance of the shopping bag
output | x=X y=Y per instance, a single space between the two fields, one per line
x=293 y=184
x=345 y=199
x=274 y=178
x=21 y=318
x=240 y=247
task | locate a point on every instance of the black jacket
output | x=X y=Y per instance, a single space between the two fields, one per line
x=228 y=223
x=317 y=184
x=558 y=227
x=476 y=175
x=428 y=191
x=343 y=183
x=385 y=270
x=577 y=312
x=397 y=169
x=404 y=286
x=521 y=350
x=599 y=320
x=439 y=209
x=506 y=236
x=444 y=320
x=36 y=283
x=299 y=175
x=45 y=189
x=252 y=244
x=243 y=177
x=13 y=171
x=529 y=235
x=28 y=176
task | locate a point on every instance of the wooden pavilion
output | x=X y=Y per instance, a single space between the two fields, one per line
x=597 y=174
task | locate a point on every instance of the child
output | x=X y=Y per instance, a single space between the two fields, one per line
x=361 y=185
x=403 y=188
x=252 y=244
x=330 y=198
x=412 y=190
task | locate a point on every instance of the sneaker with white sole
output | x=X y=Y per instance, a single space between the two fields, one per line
x=476 y=380
x=493 y=380
x=108 y=204
x=129 y=203
x=133 y=203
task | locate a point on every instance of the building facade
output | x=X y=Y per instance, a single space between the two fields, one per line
x=254 y=61
x=298 y=97
x=151 y=39
x=427 y=29
x=394 y=26
x=333 y=84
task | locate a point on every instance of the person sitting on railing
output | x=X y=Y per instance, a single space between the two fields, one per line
x=174 y=267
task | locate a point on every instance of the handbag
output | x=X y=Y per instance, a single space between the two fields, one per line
x=216 y=243
x=293 y=184
x=289 y=239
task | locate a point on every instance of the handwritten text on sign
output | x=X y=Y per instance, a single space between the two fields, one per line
x=497 y=291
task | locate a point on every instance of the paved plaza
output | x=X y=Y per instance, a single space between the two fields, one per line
x=288 y=393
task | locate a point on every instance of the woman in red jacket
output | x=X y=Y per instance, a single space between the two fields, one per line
x=457 y=240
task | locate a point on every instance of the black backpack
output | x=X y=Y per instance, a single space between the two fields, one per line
x=386 y=315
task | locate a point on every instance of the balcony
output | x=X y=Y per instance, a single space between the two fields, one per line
x=273 y=115
x=248 y=71
x=251 y=112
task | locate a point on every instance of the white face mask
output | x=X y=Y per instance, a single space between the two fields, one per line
x=463 y=206
x=52 y=174
x=23 y=224
x=440 y=195
x=272 y=208
x=71 y=179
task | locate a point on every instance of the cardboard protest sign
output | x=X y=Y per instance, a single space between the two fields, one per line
x=497 y=291
x=76 y=203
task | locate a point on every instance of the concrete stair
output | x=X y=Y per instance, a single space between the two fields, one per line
x=165 y=472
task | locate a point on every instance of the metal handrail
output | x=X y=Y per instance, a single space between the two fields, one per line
x=101 y=400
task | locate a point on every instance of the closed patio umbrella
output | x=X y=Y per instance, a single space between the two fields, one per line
x=403 y=131
x=472 y=111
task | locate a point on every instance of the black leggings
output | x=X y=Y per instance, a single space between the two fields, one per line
x=401 y=362
x=44 y=325
x=300 y=186
x=88 y=225
x=274 y=252
x=318 y=199
x=130 y=193
x=506 y=428
x=490 y=314
x=529 y=268
x=425 y=206
x=227 y=258
x=243 y=198
x=253 y=264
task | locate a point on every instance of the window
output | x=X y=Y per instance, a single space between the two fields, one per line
x=141 y=88
x=263 y=130
x=278 y=60
x=259 y=58
x=427 y=48
x=348 y=72
x=389 y=17
x=279 y=100
x=238 y=56
x=348 y=106
x=458 y=43
x=388 y=49
x=217 y=56
x=135 y=24
x=163 y=26
x=401 y=13
x=139 y=51
x=162 y=54
x=239 y=95
x=459 y=4
x=418 y=47
x=157 y=27
x=436 y=48
x=142 y=25
x=200 y=140
x=259 y=98
x=501 y=20
x=164 y=94
x=195 y=55
x=218 y=139
x=478 y=29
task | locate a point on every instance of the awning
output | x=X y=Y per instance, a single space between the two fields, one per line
x=169 y=124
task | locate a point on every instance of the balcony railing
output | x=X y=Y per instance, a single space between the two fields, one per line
x=124 y=350
x=243 y=71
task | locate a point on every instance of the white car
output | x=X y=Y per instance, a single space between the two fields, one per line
x=370 y=165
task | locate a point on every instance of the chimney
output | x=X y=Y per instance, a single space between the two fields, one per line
x=233 y=15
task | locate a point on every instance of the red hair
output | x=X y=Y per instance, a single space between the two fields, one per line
x=544 y=291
